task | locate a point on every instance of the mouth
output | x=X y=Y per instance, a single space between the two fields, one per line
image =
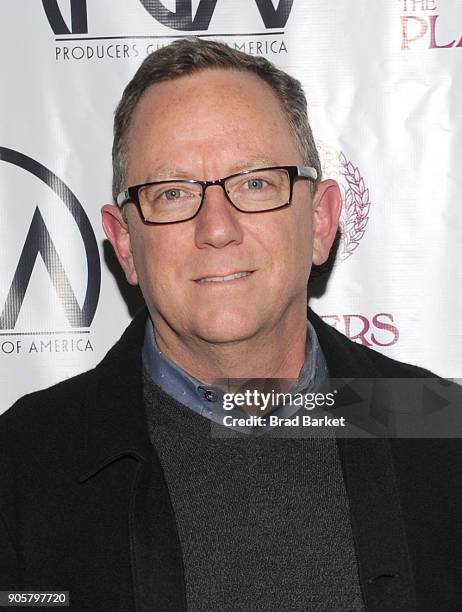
x=223 y=279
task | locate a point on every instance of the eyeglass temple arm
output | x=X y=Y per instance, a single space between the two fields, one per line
x=307 y=172
x=122 y=197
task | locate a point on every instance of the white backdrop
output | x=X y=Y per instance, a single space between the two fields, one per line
x=384 y=83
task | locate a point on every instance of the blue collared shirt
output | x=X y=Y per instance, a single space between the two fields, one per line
x=207 y=400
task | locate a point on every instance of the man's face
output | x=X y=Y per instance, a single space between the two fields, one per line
x=206 y=126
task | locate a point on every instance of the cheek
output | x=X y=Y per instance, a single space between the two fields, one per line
x=303 y=240
x=291 y=247
x=157 y=262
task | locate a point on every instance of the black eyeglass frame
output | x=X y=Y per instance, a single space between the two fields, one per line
x=131 y=194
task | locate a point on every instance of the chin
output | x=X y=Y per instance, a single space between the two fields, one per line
x=225 y=327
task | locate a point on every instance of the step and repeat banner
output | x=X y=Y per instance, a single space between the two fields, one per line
x=384 y=84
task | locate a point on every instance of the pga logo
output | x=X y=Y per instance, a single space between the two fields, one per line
x=182 y=18
x=38 y=243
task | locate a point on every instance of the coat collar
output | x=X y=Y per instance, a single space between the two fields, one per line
x=115 y=418
x=115 y=421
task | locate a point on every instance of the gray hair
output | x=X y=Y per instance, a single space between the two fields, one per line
x=189 y=55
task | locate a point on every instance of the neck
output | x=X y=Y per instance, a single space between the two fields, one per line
x=275 y=353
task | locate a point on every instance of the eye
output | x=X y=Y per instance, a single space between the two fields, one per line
x=173 y=194
x=255 y=183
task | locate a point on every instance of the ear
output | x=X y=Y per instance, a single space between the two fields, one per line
x=116 y=230
x=327 y=205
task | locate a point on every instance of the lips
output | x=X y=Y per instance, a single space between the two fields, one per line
x=227 y=277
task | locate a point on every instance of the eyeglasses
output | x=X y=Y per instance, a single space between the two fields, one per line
x=250 y=191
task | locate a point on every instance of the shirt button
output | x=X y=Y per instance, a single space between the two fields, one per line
x=210 y=395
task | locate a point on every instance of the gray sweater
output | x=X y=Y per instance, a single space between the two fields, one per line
x=263 y=521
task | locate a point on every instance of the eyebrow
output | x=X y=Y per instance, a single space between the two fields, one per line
x=164 y=173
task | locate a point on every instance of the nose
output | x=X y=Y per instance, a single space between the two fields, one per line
x=217 y=224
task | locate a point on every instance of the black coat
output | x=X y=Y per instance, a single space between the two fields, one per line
x=84 y=506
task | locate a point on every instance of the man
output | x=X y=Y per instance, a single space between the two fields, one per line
x=121 y=485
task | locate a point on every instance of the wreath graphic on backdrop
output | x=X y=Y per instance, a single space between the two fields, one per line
x=355 y=213
x=355 y=196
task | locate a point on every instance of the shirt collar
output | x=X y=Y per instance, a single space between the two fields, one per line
x=207 y=400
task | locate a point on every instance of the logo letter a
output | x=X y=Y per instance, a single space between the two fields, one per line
x=38 y=241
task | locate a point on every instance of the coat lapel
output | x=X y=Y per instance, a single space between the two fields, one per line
x=116 y=428
x=157 y=560
x=377 y=523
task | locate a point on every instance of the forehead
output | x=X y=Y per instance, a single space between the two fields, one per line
x=221 y=112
